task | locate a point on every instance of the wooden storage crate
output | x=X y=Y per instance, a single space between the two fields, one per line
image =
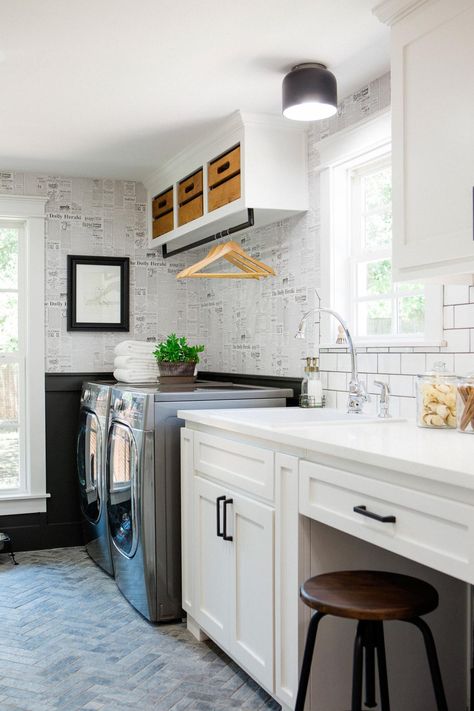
x=224 y=179
x=190 y=201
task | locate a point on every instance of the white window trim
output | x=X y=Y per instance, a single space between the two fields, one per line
x=367 y=140
x=30 y=212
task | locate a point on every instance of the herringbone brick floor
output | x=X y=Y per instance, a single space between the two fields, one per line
x=70 y=641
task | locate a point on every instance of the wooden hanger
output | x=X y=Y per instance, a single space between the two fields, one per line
x=231 y=251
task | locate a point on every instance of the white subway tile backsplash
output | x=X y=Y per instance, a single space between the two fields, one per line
x=464 y=316
x=458 y=340
x=456 y=294
x=408 y=407
x=402 y=385
x=433 y=358
x=448 y=316
x=367 y=362
x=373 y=389
x=389 y=363
x=337 y=381
x=464 y=363
x=344 y=362
x=413 y=363
x=328 y=361
x=331 y=398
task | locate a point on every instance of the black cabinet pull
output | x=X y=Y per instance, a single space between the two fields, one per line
x=226 y=537
x=218 y=517
x=362 y=510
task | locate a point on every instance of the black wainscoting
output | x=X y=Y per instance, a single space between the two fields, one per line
x=60 y=526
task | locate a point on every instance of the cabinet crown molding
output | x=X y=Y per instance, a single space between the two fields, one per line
x=392 y=11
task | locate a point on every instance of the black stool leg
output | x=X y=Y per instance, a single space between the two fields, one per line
x=358 y=669
x=382 y=666
x=11 y=553
x=307 y=659
x=369 y=645
x=433 y=662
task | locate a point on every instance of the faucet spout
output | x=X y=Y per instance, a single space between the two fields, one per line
x=357 y=392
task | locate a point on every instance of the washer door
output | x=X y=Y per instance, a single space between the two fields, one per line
x=122 y=477
x=88 y=464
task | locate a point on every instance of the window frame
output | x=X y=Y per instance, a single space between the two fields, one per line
x=340 y=155
x=30 y=213
x=19 y=356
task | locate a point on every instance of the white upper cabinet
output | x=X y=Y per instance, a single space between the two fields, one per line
x=432 y=137
x=250 y=162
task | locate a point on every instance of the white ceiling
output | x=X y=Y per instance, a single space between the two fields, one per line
x=113 y=87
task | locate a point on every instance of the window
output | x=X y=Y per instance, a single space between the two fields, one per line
x=380 y=307
x=22 y=329
x=356 y=245
x=12 y=363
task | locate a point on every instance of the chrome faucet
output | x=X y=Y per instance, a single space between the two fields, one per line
x=357 y=392
x=384 y=400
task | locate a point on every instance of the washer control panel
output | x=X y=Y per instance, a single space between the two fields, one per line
x=95 y=397
x=134 y=408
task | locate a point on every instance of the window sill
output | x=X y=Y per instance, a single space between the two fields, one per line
x=398 y=343
x=22 y=503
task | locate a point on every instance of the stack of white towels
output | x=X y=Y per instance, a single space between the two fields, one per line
x=135 y=363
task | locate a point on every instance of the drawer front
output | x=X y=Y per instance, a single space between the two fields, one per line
x=224 y=193
x=248 y=468
x=224 y=167
x=163 y=203
x=429 y=529
x=190 y=210
x=190 y=188
x=163 y=224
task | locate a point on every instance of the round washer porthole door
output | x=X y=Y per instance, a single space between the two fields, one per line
x=122 y=471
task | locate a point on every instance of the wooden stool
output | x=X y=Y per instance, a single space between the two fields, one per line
x=371 y=597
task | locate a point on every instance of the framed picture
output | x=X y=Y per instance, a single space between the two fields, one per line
x=97 y=293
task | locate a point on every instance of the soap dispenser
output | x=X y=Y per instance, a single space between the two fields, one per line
x=311 y=387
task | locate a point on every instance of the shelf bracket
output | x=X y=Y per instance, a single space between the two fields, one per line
x=224 y=233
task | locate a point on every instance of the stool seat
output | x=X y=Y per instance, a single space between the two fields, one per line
x=369 y=595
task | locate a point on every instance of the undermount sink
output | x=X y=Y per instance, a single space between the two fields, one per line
x=297 y=419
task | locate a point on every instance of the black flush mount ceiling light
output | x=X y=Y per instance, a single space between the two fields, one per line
x=309 y=92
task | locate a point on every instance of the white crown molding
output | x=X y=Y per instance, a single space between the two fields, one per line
x=22 y=206
x=392 y=11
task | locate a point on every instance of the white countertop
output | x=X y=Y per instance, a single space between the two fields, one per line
x=443 y=455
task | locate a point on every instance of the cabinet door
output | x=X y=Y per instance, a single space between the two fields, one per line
x=212 y=562
x=433 y=157
x=251 y=526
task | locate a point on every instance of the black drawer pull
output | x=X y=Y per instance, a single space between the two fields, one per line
x=226 y=537
x=222 y=168
x=162 y=203
x=218 y=516
x=362 y=510
x=189 y=187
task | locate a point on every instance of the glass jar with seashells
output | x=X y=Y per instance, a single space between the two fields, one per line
x=436 y=398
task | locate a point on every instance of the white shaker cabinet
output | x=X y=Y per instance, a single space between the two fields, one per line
x=432 y=137
x=228 y=550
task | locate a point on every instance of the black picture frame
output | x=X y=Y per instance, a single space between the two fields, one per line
x=77 y=305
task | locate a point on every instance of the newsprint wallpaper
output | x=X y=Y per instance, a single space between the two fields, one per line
x=100 y=217
x=246 y=327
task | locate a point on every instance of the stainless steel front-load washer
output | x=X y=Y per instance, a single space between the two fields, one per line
x=143 y=479
x=91 y=453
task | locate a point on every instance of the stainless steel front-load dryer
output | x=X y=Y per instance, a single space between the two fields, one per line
x=91 y=452
x=143 y=479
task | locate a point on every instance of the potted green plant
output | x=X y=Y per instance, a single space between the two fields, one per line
x=176 y=359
